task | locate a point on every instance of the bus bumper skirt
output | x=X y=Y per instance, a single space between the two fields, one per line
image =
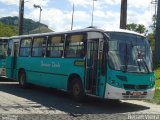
x=112 y=92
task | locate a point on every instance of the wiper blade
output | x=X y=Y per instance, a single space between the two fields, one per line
x=126 y=58
x=139 y=66
x=141 y=62
x=145 y=64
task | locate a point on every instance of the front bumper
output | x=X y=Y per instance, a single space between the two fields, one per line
x=119 y=93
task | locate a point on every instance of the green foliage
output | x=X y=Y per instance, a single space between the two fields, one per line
x=157 y=85
x=7 y=30
x=136 y=27
x=40 y=30
x=153 y=26
x=156 y=98
x=28 y=24
x=157 y=73
x=151 y=39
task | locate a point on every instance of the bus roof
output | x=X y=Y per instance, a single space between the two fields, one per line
x=123 y=31
x=3 y=38
x=65 y=32
x=89 y=29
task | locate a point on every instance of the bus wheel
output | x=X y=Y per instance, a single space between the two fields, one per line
x=22 y=79
x=76 y=89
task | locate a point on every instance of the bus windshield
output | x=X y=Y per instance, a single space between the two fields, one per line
x=129 y=53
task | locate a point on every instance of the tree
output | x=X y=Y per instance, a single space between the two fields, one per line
x=151 y=39
x=136 y=27
x=7 y=30
x=153 y=26
x=28 y=25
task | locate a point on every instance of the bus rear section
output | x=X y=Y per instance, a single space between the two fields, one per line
x=72 y=61
x=3 y=53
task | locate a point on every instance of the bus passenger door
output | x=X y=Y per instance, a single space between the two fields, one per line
x=91 y=66
x=11 y=61
x=95 y=67
x=15 y=54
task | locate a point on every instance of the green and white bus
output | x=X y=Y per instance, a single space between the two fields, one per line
x=3 y=53
x=106 y=64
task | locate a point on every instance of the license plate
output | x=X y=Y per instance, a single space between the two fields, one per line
x=136 y=93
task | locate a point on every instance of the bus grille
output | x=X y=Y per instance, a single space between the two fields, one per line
x=135 y=87
x=134 y=97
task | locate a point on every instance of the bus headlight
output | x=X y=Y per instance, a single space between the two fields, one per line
x=114 y=83
x=117 y=84
x=151 y=85
x=152 y=79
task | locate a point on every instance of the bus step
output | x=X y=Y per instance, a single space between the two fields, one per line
x=88 y=91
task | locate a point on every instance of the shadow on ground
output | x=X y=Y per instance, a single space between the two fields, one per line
x=58 y=100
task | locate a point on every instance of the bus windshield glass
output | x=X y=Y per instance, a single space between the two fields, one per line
x=129 y=53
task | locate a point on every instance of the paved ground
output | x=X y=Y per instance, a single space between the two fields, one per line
x=42 y=103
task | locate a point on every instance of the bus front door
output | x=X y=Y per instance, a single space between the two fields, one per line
x=95 y=67
x=15 y=54
x=92 y=66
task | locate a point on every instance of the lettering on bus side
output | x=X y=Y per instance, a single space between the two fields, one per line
x=56 y=65
x=52 y=64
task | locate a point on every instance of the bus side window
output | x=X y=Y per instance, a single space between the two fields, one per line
x=75 y=46
x=25 y=47
x=39 y=47
x=9 y=48
x=55 y=46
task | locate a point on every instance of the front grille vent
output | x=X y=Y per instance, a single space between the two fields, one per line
x=135 y=87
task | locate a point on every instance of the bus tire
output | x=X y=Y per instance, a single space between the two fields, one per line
x=22 y=79
x=76 y=89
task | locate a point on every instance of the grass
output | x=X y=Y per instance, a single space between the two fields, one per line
x=156 y=98
x=157 y=86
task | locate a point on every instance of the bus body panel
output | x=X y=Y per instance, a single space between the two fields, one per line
x=131 y=78
x=122 y=85
x=3 y=62
x=9 y=68
x=101 y=87
x=49 y=72
x=2 y=67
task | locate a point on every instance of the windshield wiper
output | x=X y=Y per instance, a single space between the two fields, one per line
x=145 y=64
x=139 y=66
x=126 y=58
x=142 y=62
